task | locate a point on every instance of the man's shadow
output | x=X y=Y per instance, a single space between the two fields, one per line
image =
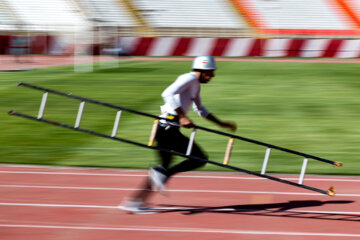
x=283 y=209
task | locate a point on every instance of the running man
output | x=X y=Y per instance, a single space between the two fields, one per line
x=178 y=98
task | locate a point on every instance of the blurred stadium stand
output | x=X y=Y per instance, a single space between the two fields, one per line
x=44 y=15
x=200 y=18
x=8 y=19
x=107 y=12
x=306 y=17
x=217 y=24
x=188 y=18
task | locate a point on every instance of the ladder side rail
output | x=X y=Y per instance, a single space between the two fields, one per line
x=269 y=145
x=69 y=95
x=328 y=192
x=338 y=164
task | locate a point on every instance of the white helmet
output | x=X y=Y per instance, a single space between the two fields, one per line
x=204 y=63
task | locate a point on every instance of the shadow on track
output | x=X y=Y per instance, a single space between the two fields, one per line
x=283 y=209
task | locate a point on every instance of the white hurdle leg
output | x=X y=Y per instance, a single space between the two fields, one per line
x=191 y=142
x=303 y=169
x=79 y=115
x=266 y=160
x=42 y=105
x=116 y=123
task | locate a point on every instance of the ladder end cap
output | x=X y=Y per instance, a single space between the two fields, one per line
x=331 y=192
x=338 y=164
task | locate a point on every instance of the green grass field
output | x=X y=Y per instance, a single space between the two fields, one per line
x=308 y=107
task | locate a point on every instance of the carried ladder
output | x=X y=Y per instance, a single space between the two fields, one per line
x=228 y=151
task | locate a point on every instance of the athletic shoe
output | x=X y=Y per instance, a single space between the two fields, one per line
x=135 y=207
x=157 y=180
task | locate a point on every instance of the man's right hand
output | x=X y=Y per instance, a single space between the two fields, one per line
x=186 y=122
x=183 y=119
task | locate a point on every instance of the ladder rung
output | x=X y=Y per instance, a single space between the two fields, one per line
x=116 y=123
x=338 y=164
x=79 y=115
x=266 y=160
x=191 y=142
x=153 y=133
x=303 y=170
x=228 y=151
x=42 y=105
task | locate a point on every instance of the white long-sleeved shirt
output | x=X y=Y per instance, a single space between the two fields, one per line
x=183 y=93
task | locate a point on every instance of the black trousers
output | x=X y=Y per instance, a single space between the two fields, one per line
x=172 y=139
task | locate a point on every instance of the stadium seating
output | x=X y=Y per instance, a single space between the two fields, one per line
x=110 y=12
x=229 y=18
x=7 y=21
x=273 y=28
x=44 y=15
x=189 y=13
x=306 y=16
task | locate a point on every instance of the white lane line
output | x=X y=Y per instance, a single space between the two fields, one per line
x=210 y=209
x=76 y=173
x=184 y=230
x=180 y=190
x=55 y=205
x=179 y=176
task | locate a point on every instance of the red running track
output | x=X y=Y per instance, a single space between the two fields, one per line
x=77 y=203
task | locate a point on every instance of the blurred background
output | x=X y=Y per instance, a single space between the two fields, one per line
x=309 y=106
x=288 y=75
x=275 y=28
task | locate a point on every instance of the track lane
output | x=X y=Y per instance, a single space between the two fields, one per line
x=213 y=215
x=103 y=177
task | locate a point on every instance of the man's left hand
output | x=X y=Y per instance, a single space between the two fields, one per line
x=230 y=125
